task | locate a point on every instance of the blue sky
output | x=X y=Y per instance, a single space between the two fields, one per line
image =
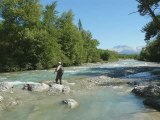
x=108 y=20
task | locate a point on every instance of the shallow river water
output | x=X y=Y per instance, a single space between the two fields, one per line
x=99 y=103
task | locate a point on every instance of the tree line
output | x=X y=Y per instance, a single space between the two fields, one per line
x=33 y=37
x=36 y=38
x=152 y=29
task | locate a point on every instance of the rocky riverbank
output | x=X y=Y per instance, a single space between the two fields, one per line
x=150 y=93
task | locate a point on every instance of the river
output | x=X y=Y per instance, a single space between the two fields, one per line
x=99 y=103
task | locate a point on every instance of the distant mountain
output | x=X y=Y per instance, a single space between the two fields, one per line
x=123 y=49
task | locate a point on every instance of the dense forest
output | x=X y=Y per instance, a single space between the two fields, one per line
x=33 y=37
x=152 y=30
x=36 y=37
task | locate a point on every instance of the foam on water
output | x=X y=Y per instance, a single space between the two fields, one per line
x=3 y=78
x=21 y=83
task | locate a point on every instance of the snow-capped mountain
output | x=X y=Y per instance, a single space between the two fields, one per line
x=123 y=49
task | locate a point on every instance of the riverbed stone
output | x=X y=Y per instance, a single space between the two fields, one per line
x=4 y=86
x=147 y=91
x=153 y=103
x=106 y=81
x=39 y=87
x=1 y=98
x=71 y=103
x=57 y=89
x=66 y=89
x=13 y=103
x=65 y=82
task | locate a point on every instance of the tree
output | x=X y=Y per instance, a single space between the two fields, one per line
x=91 y=53
x=32 y=38
x=50 y=17
x=151 y=30
x=80 y=25
x=108 y=55
x=151 y=52
x=49 y=21
x=20 y=13
x=148 y=7
x=70 y=40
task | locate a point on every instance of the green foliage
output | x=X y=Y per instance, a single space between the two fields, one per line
x=149 y=7
x=145 y=6
x=18 y=14
x=108 y=55
x=151 y=52
x=132 y=56
x=91 y=54
x=70 y=39
x=150 y=30
x=32 y=38
x=80 y=25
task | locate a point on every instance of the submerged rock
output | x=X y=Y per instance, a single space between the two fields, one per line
x=39 y=87
x=13 y=103
x=153 y=103
x=1 y=98
x=106 y=81
x=48 y=82
x=4 y=86
x=57 y=89
x=66 y=89
x=133 y=83
x=65 y=82
x=71 y=103
x=147 y=91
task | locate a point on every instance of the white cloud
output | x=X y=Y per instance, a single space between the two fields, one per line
x=123 y=49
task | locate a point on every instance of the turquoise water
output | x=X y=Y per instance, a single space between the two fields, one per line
x=72 y=72
x=100 y=103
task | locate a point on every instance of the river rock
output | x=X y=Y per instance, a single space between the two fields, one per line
x=133 y=83
x=153 y=103
x=57 y=89
x=48 y=82
x=147 y=91
x=1 y=98
x=39 y=87
x=4 y=86
x=65 y=82
x=71 y=103
x=13 y=103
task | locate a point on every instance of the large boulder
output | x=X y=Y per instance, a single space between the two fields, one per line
x=71 y=103
x=57 y=89
x=39 y=87
x=153 y=103
x=147 y=91
x=4 y=86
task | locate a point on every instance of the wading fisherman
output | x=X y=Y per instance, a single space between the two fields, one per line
x=59 y=71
